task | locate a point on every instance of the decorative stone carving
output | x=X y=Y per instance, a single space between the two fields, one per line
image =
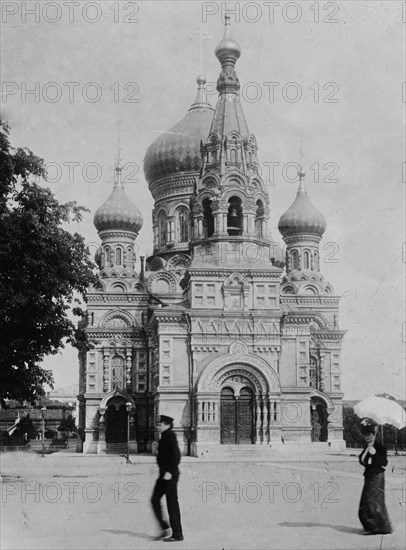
x=162 y=282
x=239 y=363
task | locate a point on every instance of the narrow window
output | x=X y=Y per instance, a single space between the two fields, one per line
x=162 y=229
x=208 y=219
x=183 y=224
x=306 y=260
x=118 y=256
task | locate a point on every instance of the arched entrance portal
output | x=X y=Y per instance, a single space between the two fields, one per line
x=236 y=416
x=116 y=422
x=319 y=415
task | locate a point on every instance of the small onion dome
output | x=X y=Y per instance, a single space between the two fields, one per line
x=97 y=256
x=118 y=213
x=227 y=50
x=302 y=217
x=178 y=149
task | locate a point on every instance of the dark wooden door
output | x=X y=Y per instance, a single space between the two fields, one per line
x=245 y=417
x=236 y=417
x=227 y=416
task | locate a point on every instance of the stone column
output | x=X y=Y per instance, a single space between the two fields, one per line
x=268 y=419
x=322 y=372
x=258 y=420
x=300 y=259
x=278 y=412
x=128 y=368
x=250 y=223
x=200 y=232
x=171 y=229
x=245 y=223
x=106 y=364
x=101 y=444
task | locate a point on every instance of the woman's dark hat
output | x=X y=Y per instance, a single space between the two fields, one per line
x=368 y=426
x=165 y=419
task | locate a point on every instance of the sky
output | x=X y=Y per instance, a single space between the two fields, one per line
x=327 y=75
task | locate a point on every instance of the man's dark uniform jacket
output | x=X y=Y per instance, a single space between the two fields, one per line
x=374 y=464
x=168 y=455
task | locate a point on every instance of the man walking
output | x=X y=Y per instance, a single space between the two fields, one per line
x=167 y=484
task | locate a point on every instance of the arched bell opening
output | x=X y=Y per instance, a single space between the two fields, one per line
x=208 y=218
x=234 y=217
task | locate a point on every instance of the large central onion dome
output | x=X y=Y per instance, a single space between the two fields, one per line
x=118 y=212
x=302 y=217
x=178 y=149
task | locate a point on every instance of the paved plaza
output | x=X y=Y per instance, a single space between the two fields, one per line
x=73 y=501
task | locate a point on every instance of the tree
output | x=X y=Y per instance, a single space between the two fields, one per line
x=25 y=429
x=351 y=423
x=43 y=269
x=67 y=425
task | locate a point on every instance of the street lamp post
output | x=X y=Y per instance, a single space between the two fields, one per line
x=128 y=406
x=43 y=430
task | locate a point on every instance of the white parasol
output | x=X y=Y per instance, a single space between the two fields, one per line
x=382 y=411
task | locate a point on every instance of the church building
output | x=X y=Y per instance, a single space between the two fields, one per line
x=221 y=329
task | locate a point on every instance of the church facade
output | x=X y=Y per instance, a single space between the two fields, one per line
x=221 y=329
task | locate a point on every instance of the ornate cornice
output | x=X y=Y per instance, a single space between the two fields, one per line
x=103 y=297
x=296 y=320
x=97 y=333
x=205 y=349
x=173 y=192
x=329 y=335
x=173 y=185
x=227 y=272
x=306 y=300
x=110 y=233
x=293 y=239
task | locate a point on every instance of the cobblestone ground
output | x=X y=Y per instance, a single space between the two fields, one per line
x=86 y=502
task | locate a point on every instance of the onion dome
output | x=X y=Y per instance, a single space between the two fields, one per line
x=178 y=149
x=302 y=217
x=118 y=212
x=227 y=50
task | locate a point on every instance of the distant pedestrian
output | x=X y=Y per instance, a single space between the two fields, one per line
x=372 y=509
x=167 y=484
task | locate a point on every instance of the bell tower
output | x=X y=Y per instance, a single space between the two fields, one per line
x=230 y=207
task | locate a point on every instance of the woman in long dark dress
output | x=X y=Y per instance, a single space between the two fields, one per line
x=372 y=509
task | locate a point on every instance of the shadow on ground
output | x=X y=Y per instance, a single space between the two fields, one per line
x=131 y=533
x=340 y=528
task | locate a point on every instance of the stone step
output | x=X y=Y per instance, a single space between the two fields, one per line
x=261 y=452
x=116 y=448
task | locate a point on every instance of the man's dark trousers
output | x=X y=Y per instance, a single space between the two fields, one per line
x=170 y=490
